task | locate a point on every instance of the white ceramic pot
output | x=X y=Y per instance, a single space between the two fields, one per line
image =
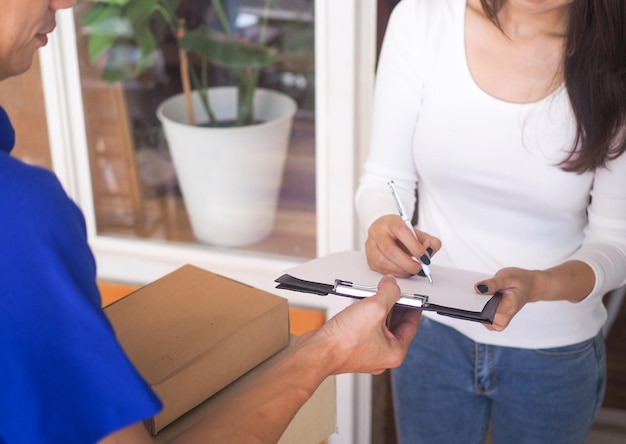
x=229 y=177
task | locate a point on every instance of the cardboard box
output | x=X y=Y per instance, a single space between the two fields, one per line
x=192 y=332
x=314 y=422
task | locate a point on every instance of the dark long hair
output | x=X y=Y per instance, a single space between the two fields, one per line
x=594 y=68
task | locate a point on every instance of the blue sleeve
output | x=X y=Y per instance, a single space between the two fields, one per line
x=63 y=376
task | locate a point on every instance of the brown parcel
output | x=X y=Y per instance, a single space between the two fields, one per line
x=192 y=332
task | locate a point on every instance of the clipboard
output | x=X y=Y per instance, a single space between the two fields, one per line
x=347 y=274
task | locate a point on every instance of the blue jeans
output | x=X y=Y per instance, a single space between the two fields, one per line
x=449 y=389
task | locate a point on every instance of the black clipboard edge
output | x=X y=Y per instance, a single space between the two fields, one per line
x=485 y=316
x=288 y=282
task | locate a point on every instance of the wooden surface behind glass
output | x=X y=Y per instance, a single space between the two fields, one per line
x=22 y=98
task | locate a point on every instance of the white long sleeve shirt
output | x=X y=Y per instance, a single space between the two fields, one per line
x=487 y=176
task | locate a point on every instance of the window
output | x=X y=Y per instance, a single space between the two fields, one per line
x=136 y=187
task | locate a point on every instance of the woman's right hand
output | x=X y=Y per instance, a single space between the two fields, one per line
x=391 y=247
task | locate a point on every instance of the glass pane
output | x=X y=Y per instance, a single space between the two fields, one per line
x=139 y=189
x=22 y=98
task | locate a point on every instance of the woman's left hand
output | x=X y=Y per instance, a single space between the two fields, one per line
x=517 y=287
x=571 y=281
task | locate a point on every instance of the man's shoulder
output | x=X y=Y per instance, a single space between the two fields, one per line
x=20 y=180
x=32 y=197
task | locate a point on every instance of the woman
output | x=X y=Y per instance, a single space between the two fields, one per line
x=510 y=118
x=64 y=377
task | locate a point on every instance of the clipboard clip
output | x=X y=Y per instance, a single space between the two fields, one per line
x=347 y=288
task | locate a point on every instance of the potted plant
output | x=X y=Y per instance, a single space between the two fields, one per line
x=228 y=144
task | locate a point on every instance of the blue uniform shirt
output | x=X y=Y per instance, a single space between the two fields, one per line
x=63 y=376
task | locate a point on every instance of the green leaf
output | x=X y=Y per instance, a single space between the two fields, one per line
x=98 y=45
x=140 y=11
x=227 y=52
x=103 y=26
x=117 y=26
x=120 y=65
x=111 y=2
x=99 y=13
x=147 y=48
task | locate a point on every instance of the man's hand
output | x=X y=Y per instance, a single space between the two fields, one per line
x=371 y=335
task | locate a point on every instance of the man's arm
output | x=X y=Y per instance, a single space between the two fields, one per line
x=360 y=339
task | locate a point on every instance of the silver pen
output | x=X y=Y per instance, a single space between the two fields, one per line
x=407 y=221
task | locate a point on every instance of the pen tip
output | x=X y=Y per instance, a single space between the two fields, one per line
x=430 y=279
